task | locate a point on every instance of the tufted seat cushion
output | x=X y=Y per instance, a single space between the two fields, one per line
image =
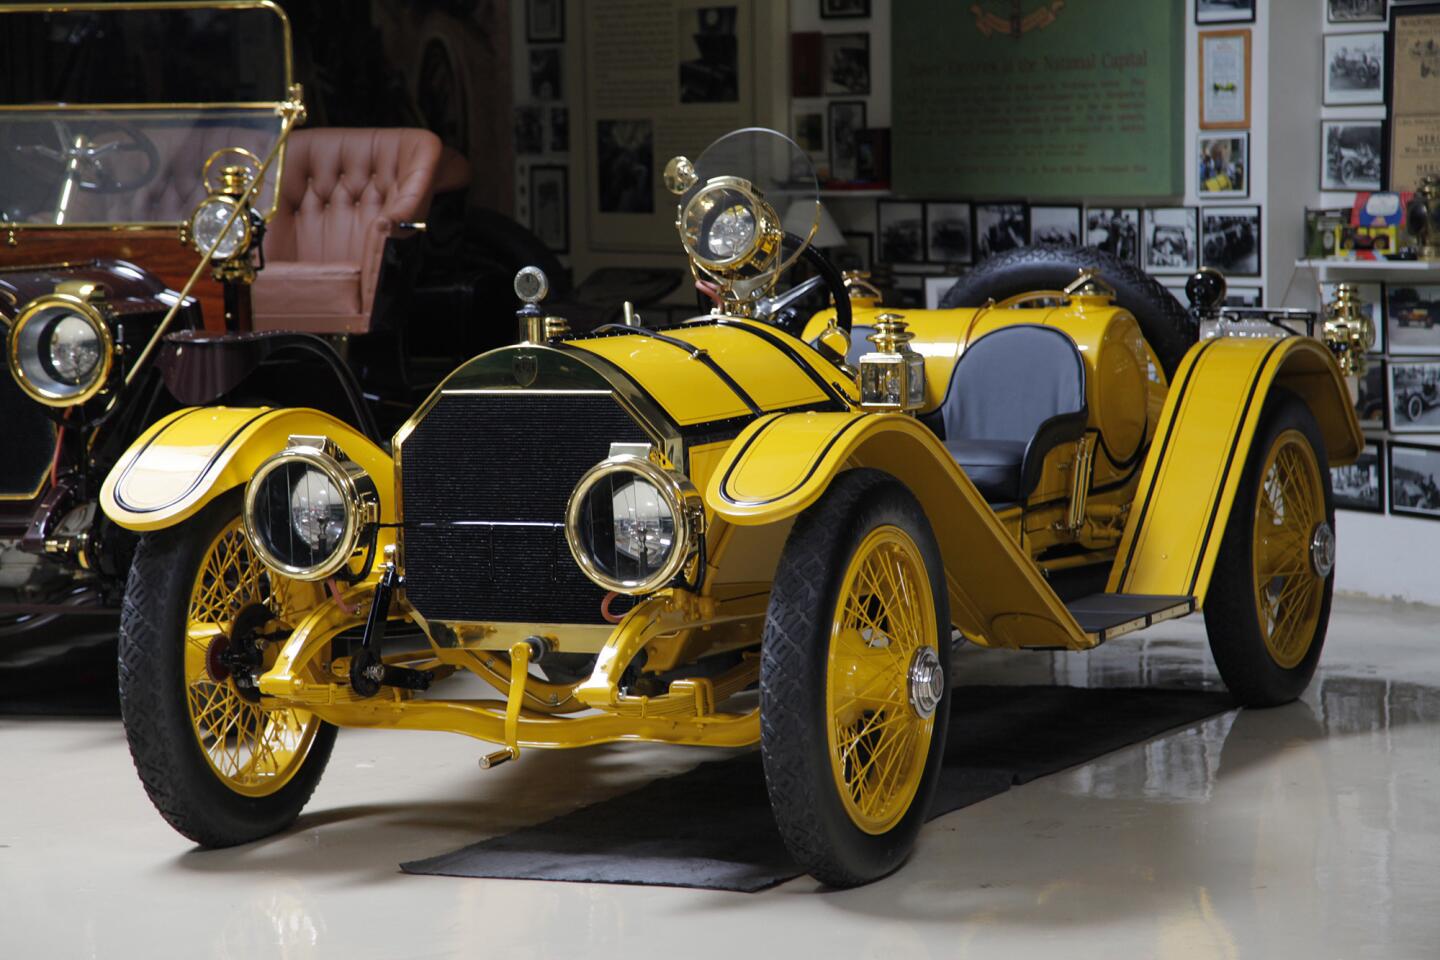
x=343 y=194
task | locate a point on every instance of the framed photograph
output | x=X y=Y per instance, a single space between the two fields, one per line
x=550 y=206
x=846 y=118
x=1354 y=11
x=1230 y=240
x=809 y=133
x=844 y=9
x=1354 y=68
x=1171 y=240
x=625 y=165
x=1372 y=297
x=709 y=54
x=858 y=252
x=1351 y=154
x=1000 y=227
x=1414 y=480
x=1224 y=11
x=847 y=64
x=1361 y=486
x=1224 y=166
x=546 y=74
x=1225 y=79
x=1244 y=296
x=1370 y=396
x=1056 y=224
x=545 y=21
x=1414 y=395
x=901 y=225
x=529 y=130
x=1412 y=317
x=935 y=290
x=1412 y=61
x=1116 y=230
x=949 y=233
x=560 y=129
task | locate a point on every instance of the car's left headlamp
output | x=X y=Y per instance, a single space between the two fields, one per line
x=60 y=349
x=208 y=227
x=631 y=524
x=308 y=509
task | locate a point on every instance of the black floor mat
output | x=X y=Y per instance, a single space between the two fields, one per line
x=711 y=827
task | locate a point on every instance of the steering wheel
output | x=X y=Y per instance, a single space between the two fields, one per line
x=88 y=157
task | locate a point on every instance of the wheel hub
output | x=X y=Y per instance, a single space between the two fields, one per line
x=1322 y=549
x=926 y=682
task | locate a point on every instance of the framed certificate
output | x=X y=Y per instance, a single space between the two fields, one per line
x=1225 y=79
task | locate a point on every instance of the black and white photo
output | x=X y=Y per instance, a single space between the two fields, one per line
x=1000 y=227
x=1116 y=230
x=1225 y=11
x=847 y=64
x=550 y=206
x=858 y=253
x=902 y=231
x=1224 y=165
x=1412 y=312
x=529 y=130
x=845 y=118
x=844 y=9
x=1230 y=240
x=544 y=21
x=625 y=153
x=1414 y=395
x=546 y=74
x=1370 y=396
x=1171 y=239
x=709 y=55
x=1415 y=480
x=948 y=233
x=1351 y=154
x=1055 y=224
x=1354 y=68
x=1361 y=485
x=1355 y=11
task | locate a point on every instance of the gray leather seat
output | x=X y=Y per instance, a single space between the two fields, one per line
x=1014 y=396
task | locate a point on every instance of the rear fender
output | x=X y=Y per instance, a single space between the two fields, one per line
x=195 y=455
x=782 y=463
x=1195 y=465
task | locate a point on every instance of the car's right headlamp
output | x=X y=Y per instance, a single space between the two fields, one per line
x=60 y=349
x=631 y=524
x=727 y=226
x=308 y=508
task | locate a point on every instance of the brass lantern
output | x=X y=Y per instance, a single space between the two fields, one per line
x=892 y=377
x=1348 y=330
x=1422 y=216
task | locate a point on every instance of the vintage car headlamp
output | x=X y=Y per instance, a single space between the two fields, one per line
x=631 y=524
x=308 y=508
x=1348 y=330
x=60 y=348
x=207 y=225
x=892 y=377
x=727 y=226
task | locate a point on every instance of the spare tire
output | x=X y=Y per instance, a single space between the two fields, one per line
x=1166 y=324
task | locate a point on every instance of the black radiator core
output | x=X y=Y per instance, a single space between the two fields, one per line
x=29 y=444
x=485 y=480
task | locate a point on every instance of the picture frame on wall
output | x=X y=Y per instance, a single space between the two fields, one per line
x=844 y=9
x=935 y=290
x=1413 y=392
x=949 y=232
x=1414 y=480
x=858 y=253
x=1352 y=155
x=1370 y=396
x=1000 y=227
x=1224 y=165
x=1412 y=317
x=1224 y=64
x=1354 y=69
x=1057 y=223
x=1355 y=11
x=544 y=21
x=1115 y=230
x=1224 y=11
x=1170 y=238
x=1412 y=137
x=1361 y=485
x=1230 y=240
x=550 y=206
x=1372 y=298
x=901 y=228
x=844 y=119
x=846 y=64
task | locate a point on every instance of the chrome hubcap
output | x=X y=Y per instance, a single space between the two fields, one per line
x=1322 y=550
x=927 y=682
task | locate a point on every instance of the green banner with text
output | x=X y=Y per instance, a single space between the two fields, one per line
x=1039 y=99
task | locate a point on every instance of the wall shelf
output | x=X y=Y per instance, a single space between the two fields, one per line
x=1372 y=266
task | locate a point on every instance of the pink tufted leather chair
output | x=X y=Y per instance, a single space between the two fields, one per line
x=343 y=193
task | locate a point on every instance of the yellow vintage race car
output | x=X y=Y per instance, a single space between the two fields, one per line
x=748 y=528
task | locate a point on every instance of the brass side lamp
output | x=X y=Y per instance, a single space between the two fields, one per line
x=1422 y=216
x=892 y=376
x=1348 y=330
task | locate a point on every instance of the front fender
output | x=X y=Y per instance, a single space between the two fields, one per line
x=191 y=457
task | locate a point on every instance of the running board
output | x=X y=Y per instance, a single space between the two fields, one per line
x=1105 y=616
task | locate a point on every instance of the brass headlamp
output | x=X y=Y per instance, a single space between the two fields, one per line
x=60 y=349
x=223 y=224
x=892 y=377
x=1348 y=330
x=731 y=232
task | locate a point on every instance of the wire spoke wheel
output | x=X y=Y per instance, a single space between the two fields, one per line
x=1289 y=508
x=252 y=750
x=878 y=740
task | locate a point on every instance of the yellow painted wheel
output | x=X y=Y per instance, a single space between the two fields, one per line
x=1289 y=509
x=253 y=751
x=884 y=623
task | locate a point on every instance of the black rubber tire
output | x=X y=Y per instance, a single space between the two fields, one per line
x=1166 y=324
x=1231 y=620
x=1414 y=407
x=157 y=721
x=793 y=720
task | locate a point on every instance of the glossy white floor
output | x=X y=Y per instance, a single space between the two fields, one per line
x=1308 y=831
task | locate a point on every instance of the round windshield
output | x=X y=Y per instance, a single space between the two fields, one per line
x=749 y=186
